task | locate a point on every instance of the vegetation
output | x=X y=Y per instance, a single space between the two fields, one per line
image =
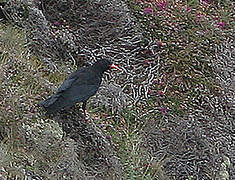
x=187 y=105
x=186 y=36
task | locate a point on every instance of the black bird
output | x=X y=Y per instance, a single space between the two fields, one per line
x=78 y=87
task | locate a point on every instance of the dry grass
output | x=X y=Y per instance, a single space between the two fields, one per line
x=168 y=115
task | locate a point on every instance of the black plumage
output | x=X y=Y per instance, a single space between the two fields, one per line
x=78 y=87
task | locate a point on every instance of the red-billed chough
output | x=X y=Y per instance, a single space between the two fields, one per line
x=78 y=87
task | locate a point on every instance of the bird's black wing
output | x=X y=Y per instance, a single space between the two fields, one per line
x=71 y=79
x=79 y=94
x=79 y=86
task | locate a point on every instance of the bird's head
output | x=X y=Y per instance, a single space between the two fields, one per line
x=104 y=65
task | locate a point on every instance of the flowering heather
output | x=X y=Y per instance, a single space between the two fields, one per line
x=151 y=92
x=159 y=43
x=56 y=23
x=148 y=10
x=162 y=5
x=154 y=81
x=215 y=18
x=163 y=110
x=108 y=137
x=188 y=9
x=205 y=1
x=221 y=25
x=153 y=25
x=160 y=93
x=198 y=15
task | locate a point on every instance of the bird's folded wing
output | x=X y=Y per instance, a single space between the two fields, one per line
x=80 y=93
x=76 y=79
x=65 y=85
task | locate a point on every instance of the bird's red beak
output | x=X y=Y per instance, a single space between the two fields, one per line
x=115 y=67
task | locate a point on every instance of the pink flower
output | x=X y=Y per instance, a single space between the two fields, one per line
x=153 y=25
x=198 y=15
x=151 y=92
x=108 y=137
x=161 y=84
x=147 y=62
x=163 y=110
x=188 y=9
x=162 y=5
x=154 y=82
x=56 y=23
x=159 y=43
x=160 y=93
x=215 y=18
x=138 y=1
x=221 y=25
x=148 y=10
x=205 y=1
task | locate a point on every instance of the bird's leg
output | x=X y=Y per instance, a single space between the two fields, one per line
x=84 y=108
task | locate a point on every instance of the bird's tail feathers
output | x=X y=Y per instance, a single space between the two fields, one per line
x=53 y=104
